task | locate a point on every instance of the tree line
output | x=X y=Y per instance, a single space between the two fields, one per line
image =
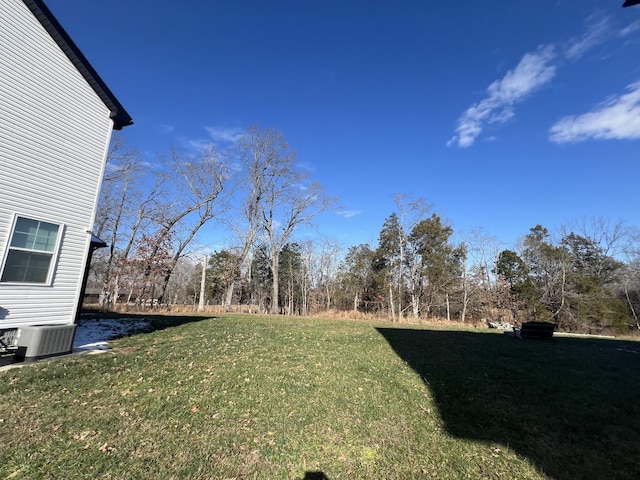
x=585 y=277
x=150 y=214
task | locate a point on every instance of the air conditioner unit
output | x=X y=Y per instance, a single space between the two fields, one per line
x=41 y=341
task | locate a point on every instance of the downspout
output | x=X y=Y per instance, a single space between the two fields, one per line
x=95 y=244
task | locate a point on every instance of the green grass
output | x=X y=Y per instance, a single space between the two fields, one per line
x=244 y=397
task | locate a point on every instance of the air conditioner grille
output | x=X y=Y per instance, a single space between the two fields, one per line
x=39 y=341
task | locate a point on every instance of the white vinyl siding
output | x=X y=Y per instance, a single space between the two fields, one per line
x=54 y=134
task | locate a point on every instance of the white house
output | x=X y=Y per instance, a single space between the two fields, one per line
x=56 y=120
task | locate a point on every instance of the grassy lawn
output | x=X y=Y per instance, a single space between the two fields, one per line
x=244 y=397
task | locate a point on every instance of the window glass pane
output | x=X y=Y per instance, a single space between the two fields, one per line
x=28 y=267
x=24 y=233
x=35 y=235
x=46 y=237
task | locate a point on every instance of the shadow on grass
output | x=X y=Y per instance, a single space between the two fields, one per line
x=315 y=476
x=134 y=323
x=569 y=405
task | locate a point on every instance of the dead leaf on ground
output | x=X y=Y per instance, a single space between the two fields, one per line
x=107 y=449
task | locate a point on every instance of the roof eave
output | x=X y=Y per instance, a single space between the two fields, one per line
x=119 y=115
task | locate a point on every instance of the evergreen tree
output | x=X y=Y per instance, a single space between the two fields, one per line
x=591 y=302
x=547 y=265
x=524 y=293
x=440 y=260
x=291 y=273
x=261 y=278
x=221 y=273
x=389 y=263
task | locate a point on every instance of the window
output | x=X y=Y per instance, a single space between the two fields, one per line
x=31 y=251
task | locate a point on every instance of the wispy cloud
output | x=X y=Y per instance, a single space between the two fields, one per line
x=226 y=135
x=215 y=137
x=616 y=118
x=196 y=144
x=535 y=70
x=629 y=29
x=349 y=213
x=164 y=129
x=597 y=33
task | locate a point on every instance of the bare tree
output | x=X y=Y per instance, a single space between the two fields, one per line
x=630 y=275
x=613 y=238
x=182 y=276
x=153 y=256
x=285 y=198
x=478 y=279
x=145 y=212
x=121 y=164
x=328 y=257
x=123 y=192
x=200 y=195
x=254 y=153
x=410 y=212
x=321 y=269
x=631 y=288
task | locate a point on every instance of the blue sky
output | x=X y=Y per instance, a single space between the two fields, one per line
x=503 y=115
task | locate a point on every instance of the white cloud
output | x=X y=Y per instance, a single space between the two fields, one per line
x=596 y=34
x=228 y=135
x=349 y=213
x=164 y=129
x=629 y=29
x=617 y=118
x=197 y=144
x=534 y=71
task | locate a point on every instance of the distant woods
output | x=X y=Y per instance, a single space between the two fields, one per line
x=150 y=215
x=585 y=277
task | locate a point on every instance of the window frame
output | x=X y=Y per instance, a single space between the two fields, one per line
x=55 y=253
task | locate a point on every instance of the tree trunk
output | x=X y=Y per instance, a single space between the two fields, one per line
x=290 y=299
x=446 y=296
x=415 y=305
x=630 y=303
x=130 y=294
x=305 y=296
x=229 y=296
x=328 y=292
x=116 y=290
x=203 y=283
x=391 y=305
x=275 y=291
x=250 y=290
x=465 y=301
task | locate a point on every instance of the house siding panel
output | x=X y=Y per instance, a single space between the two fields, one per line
x=54 y=132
